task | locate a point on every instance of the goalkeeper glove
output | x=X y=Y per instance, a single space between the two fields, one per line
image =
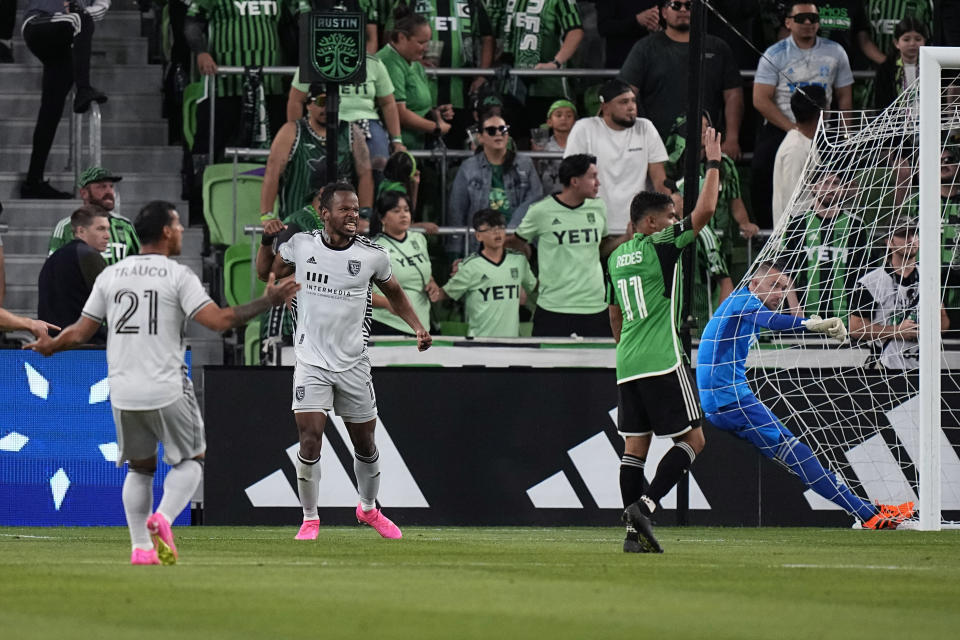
x=832 y=327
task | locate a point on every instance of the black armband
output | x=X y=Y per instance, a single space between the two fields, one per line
x=267 y=240
x=713 y=164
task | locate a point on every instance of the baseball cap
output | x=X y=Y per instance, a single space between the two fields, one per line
x=613 y=88
x=96 y=174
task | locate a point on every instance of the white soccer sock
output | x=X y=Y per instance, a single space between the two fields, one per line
x=367 y=470
x=308 y=486
x=178 y=487
x=137 y=497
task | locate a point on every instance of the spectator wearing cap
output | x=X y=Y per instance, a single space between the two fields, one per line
x=495 y=177
x=68 y=274
x=560 y=118
x=657 y=69
x=630 y=154
x=806 y=106
x=799 y=60
x=883 y=308
x=59 y=34
x=97 y=187
x=298 y=163
x=362 y=104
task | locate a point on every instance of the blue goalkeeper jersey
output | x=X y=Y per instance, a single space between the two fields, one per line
x=722 y=355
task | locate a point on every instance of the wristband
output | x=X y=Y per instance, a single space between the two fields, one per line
x=557 y=62
x=398 y=140
x=267 y=215
x=713 y=164
x=267 y=240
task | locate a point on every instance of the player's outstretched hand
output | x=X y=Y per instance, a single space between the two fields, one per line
x=39 y=327
x=43 y=344
x=831 y=327
x=424 y=340
x=280 y=293
x=711 y=139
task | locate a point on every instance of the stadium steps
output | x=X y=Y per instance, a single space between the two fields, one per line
x=134 y=144
x=106 y=50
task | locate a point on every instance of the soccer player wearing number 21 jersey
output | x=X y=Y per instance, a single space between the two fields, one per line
x=145 y=300
x=656 y=393
x=731 y=406
x=338 y=269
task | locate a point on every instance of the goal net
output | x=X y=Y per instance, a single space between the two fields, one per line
x=849 y=241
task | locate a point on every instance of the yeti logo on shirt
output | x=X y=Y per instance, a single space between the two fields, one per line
x=353 y=267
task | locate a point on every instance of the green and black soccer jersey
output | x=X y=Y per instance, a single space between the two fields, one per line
x=305 y=218
x=411 y=266
x=825 y=257
x=723 y=220
x=123 y=238
x=646 y=282
x=307 y=155
x=568 y=252
x=711 y=268
x=244 y=33
x=491 y=293
x=459 y=25
x=534 y=33
x=885 y=14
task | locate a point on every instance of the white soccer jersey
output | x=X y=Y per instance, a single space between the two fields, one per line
x=146 y=301
x=334 y=302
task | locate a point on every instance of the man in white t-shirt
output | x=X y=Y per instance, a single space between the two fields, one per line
x=806 y=105
x=145 y=300
x=337 y=270
x=629 y=152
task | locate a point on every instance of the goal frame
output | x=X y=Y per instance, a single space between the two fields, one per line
x=933 y=60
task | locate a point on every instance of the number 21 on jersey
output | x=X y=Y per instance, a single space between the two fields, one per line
x=131 y=302
x=624 y=285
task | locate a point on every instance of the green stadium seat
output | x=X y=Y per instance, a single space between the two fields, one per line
x=251 y=343
x=236 y=275
x=218 y=200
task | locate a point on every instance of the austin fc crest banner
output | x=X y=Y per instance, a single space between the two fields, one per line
x=333 y=47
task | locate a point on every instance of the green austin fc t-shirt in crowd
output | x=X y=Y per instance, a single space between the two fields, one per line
x=535 y=31
x=411 y=265
x=243 y=33
x=641 y=272
x=359 y=101
x=491 y=292
x=410 y=86
x=568 y=250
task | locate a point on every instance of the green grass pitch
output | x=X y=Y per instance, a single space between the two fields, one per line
x=501 y=583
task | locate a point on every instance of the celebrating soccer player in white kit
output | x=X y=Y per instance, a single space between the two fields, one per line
x=146 y=300
x=337 y=269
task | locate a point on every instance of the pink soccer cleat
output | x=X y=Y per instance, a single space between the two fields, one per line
x=144 y=556
x=378 y=521
x=162 y=537
x=309 y=530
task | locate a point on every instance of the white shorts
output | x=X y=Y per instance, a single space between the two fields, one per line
x=179 y=426
x=349 y=393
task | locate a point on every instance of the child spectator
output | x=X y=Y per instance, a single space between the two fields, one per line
x=493 y=282
x=560 y=118
x=901 y=67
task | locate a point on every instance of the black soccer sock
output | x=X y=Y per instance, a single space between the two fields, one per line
x=672 y=466
x=632 y=482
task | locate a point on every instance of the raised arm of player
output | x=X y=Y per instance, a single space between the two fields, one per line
x=402 y=307
x=707 y=201
x=218 y=318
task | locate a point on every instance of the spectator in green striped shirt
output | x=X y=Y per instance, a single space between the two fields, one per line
x=97 y=187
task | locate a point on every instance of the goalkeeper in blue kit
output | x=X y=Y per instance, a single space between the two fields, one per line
x=730 y=405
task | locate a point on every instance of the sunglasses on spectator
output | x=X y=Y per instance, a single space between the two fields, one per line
x=500 y=130
x=320 y=101
x=677 y=6
x=808 y=18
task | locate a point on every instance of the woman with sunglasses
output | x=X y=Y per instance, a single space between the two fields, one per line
x=409 y=261
x=494 y=178
x=402 y=56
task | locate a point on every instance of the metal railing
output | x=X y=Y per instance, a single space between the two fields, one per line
x=75 y=159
